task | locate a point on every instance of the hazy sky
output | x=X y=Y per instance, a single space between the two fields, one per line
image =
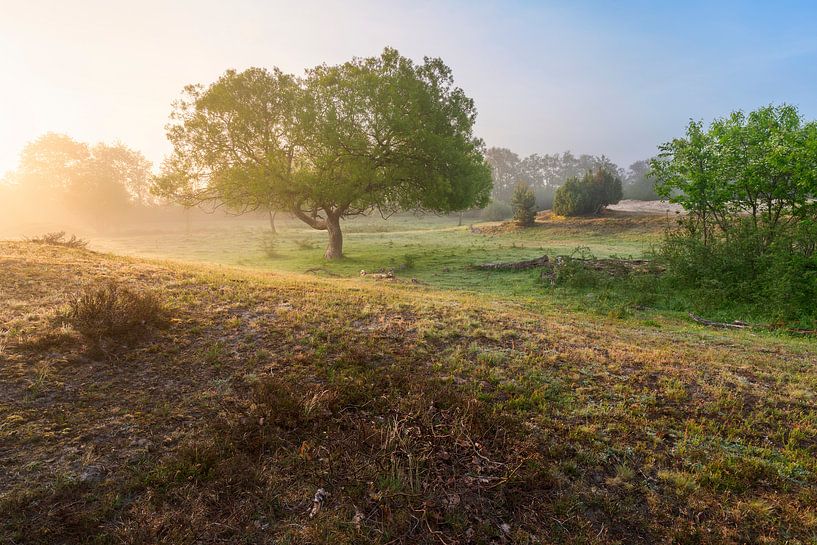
x=593 y=77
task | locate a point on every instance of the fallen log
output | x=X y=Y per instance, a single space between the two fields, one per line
x=514 y=265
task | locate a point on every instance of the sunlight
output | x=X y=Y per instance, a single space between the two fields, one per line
x=406 y=272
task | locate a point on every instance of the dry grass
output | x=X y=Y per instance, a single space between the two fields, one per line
x=427 y=417
x=111 y=311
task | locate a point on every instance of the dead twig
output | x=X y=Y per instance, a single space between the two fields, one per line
x=737 y=324
x=725 y=325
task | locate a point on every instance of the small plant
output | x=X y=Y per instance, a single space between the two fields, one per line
x=408 y=262
x=57 y=238
x=524 y=205
x=215 y=353
x=112 y=311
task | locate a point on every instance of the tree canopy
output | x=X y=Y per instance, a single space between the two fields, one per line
x=373 y=134
x=761 y=165
x=541 y=172
x=94 y=183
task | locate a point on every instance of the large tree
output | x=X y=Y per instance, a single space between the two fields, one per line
x=380 y=133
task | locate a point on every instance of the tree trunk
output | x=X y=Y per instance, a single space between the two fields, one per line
x=272 y=214
x=459 y=224
x=335 y=248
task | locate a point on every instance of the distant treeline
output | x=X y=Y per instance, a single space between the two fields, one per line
x=60 y=183
x=545 y=173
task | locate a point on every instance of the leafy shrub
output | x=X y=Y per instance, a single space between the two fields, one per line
x=58 y=239
x=523 y=203
x=778 y=282
x=749 y=238
x=569 y=271
x=587 y=195
x=112 y=311
x=496 y=211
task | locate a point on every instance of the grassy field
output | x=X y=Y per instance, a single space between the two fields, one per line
x=436 y=252
x=431 y=249
x=428 y=415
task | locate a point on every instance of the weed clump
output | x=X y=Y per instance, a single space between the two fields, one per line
x=114 y=312
x=58 y=238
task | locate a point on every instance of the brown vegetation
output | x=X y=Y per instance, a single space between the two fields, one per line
x=106 y=310
x=432 y=419
x=57 y=238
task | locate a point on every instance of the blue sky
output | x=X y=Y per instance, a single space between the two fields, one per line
x=593 y=77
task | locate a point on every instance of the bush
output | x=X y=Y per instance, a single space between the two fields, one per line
x=58 y=239
x=524 y=205
x=749 y=240
x=735 y=270
x=587 y=195
x=111 y=311
x=496 y=211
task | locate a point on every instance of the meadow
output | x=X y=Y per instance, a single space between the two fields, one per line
x=430 y=249
x=427 y=415
x=285 y=399
x=436 y=251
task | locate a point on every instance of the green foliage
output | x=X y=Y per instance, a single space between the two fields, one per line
x=762 y=165
x=496 y=211
x=373 y=133
x=587 y=195
x=544 y=173
x=747 y=184
x=779 y=282
x=523 y=203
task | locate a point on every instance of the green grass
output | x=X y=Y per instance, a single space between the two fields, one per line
x=434 y=251
x=431 y=249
